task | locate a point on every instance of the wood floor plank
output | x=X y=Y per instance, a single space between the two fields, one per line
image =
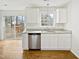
x=12 y=49
x=49 y=55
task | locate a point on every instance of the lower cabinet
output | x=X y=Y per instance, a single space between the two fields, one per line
x=64 y=42
x=55 y=41
x=25 y=41
x=50 y=41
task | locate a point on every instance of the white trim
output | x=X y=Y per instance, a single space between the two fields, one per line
x=74 y=53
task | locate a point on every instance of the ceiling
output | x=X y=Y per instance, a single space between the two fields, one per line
x=21 y=4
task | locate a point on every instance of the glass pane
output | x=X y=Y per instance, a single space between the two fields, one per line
x=9 y=26
x=19 y=24
x=47 y=19
x=14 y=26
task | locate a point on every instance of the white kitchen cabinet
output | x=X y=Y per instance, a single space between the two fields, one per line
x=55 y=41
x=25 y=41
x=37 y=16
x=61 y=15
x=32 y=16
x=48 y=42
x=64 y=41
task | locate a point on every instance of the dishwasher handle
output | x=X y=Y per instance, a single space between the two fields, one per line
x=34 y=33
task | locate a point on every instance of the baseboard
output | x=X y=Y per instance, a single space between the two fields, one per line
x=74 y=53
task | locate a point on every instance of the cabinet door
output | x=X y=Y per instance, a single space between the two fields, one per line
x=48 y=42
x=32 y=16
x=61 y=15
x=64 y=41
x=25 y=41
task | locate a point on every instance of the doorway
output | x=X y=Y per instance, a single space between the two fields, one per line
x=14 y=26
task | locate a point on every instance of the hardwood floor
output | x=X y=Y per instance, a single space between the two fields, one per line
x=12 y=49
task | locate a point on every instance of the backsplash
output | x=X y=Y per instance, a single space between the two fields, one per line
x=59 y=25
x=35 y=26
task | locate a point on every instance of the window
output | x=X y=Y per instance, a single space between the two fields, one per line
x=48 y=16
x=47 y=19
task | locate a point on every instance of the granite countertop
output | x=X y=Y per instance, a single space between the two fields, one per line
x=48 y=31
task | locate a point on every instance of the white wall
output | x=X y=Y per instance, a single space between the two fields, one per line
x=73 y=24
x=2 y=28
x=12 y=12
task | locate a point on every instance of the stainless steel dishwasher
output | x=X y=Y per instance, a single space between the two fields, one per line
x=34 y=40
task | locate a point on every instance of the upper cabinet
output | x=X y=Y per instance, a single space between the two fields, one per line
x=46 y=16
x=61 y=15
x=52 y=15
x=32 y=15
